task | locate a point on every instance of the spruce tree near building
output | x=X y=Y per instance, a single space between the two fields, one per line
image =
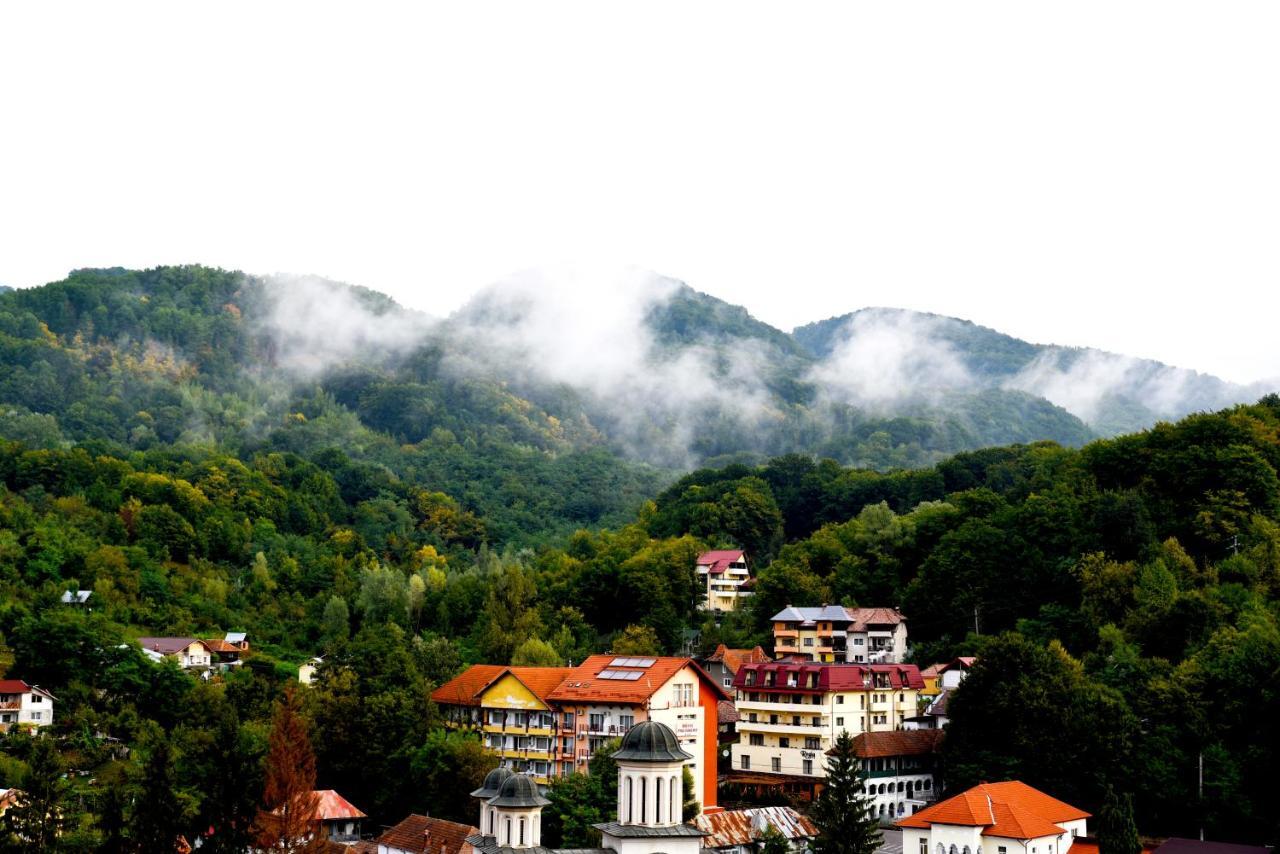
x=1117 y=832
x=843 y=810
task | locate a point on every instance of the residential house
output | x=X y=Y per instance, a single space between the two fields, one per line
x=901 y=768
x=76 y=597
x=723 y=664
x=510 y=706
x=725 y=578
x=338 y=819
x=791 y=712
x=932 y=680
x=648 y=818
x=307 y=670
x=833 y=633
x=948 y=678
x=420 y=834
x=607 y=695
x=22 y=704
x=188 y=652
x=995 y=818
x=739 y=831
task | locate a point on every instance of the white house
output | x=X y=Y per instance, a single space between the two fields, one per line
x=994 y=818
x=188 y=652
x=21 y=703
x=901 y=770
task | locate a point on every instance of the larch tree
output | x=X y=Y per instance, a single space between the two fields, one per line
x=286 y=820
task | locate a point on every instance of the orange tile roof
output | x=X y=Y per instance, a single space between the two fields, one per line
x=464 y=689
x=220 y=645
x=541 y=680
x=423 y=835
x=1011 y=809
x=898 y=742
x=583 y=683
x=735 y=658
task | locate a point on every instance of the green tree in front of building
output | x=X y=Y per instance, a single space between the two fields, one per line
x=843 y=810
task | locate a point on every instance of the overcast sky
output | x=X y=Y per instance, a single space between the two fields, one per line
x=1102 y=174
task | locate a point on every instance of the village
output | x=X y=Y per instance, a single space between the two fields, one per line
x=747 y=734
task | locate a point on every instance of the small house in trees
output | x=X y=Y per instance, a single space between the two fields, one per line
x=726 y=579
x=23 y=704
x=188 y=652
x=338 y=819
x=998 y=818
x=420 y=834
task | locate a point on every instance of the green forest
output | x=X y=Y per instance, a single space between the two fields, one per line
x=401 y=522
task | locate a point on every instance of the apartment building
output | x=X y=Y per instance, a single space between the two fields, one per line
x=509 y=706
x=725 y=578
x=791 y=712
x=607 y=695
x=833 y=633
x=901 y=770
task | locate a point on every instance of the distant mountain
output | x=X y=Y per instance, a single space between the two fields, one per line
x=539 y=381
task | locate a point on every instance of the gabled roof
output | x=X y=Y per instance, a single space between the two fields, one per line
x=735 y=658
x=964 y=662
x=421 y=834
x=727 y=712
x=932 y=671
x=859 y=619
x=219 y=645
x=78 y=597
x=331 y=806
x=466 y=688
x=729 y=828
x=718 y=561
x=1011 y=810
x=864 y=618
x=898 y=742
x=589 y=682
x=236 y=637
x=169 y=646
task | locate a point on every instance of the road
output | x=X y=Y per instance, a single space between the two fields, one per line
x=890 y=841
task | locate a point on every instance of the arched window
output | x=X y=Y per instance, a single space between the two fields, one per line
x=901 y=785
x=522 y=832
x=644 y=791
x=492 y=816
x=871 y=789
x=882 y=788
x=508 y=829
x=902 y=808
x=675 y=790
x=953 y=849
x=631 y=815
x=657 y=800
x=966 y=850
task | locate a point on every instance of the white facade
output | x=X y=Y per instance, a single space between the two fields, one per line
x=793 y=737
x=24 y=704
x=963 y=839
x=723 y=590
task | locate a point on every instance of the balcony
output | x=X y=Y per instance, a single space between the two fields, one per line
x=785 y=729
x=11 y=705
x=785 y=633
x=802 y=709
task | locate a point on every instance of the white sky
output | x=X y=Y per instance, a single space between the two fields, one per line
x=1093 y=173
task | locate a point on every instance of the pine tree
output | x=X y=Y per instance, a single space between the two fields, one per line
x=159 y=808
x=843 y=810
x=771 y=841
x=1117 y=832
x=38 y=819
x=286 y=820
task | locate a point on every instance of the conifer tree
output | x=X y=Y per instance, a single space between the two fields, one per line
x=38 y=818
x=159 y=809
x=843 y=810
x=286 y=820
x=1117 y=832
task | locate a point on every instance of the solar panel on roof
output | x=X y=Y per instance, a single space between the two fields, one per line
x=621 y=675
x=633 y=662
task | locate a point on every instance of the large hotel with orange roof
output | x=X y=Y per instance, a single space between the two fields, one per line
x=547 y=721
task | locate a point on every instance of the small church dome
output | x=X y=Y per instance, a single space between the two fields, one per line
x=492 y=783
x=518 y=791
x=651 y=741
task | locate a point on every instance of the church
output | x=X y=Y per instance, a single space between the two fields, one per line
x=648 y=819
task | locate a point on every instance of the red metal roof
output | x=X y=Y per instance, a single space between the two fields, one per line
x=718 y=561
x=14 y=686
x=331 y=806
x=830 y=677
x=729 y=828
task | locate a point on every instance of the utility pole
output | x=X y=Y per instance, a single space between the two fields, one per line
x=1201 y=764
x=976 y=630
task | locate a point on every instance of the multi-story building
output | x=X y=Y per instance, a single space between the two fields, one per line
x=723 y=664
x=21 y=703
x=606 y=695
x=837 y=634
x=791 y=712
x=509 y=706
x=901 y=770
x=948 y=678
x=726 y=578
x=999 y=818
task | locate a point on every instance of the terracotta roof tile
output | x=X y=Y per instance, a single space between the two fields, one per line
x=421 y=835
x=541 y=680
x=735 y=658
x=464 y=689
x=1011 y=809
x=727 y=712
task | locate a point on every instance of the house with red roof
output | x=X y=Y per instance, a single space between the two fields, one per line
x=726 y=579
x=995 y=818
x=791 y=712
x=420 y=834
x=22 y=704
x=901 y=768
x=338 y=819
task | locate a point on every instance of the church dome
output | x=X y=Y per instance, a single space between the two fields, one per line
x=518 y=791
x=492 y=783
x=650 y=741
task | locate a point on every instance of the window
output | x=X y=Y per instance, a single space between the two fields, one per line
x=746 y=762
x=35 y=716
x=756 y=739
x=597 y=721
x=728 y=681
x=839 y=721
x=36 y=698
x=924 y=846
x=811 y=743
x=784 y=742
x=1002 y=850
x=777 y=765
x=522 y=831
x=808 y=766
x=626 y=721
x=840 y=698
x=795 y=720
x=808 y=641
